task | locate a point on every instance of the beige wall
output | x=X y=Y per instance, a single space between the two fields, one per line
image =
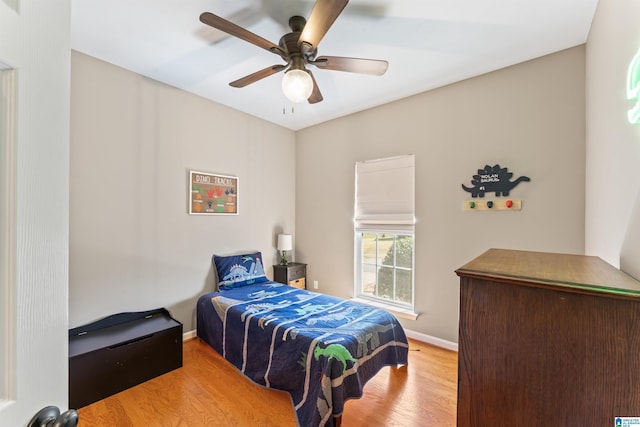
x=529 y=118
x=613 y=144
x=133 y=141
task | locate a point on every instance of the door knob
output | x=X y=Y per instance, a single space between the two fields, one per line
x=50 y=417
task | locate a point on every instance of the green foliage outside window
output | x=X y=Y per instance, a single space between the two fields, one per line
x=403 y=271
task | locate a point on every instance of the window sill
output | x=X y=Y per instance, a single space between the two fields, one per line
x=405 y=313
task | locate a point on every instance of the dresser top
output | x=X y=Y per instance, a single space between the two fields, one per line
x=578 y=273
x=290 y=264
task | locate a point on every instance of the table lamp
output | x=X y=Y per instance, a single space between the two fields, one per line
x=284 y=245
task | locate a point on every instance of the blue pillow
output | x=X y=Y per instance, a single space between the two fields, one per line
x=239 y=270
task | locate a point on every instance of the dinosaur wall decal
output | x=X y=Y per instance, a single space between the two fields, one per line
x=493 y=179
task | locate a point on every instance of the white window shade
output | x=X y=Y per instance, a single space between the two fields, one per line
x=385 y=193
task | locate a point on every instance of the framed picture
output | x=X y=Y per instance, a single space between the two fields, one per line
x=212 y=194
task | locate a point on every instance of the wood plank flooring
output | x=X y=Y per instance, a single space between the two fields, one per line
x=208 y=391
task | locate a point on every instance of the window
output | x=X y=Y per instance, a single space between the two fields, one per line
x=384 y=231
x=386 y=267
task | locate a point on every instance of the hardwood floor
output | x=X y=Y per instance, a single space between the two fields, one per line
x=208 y=391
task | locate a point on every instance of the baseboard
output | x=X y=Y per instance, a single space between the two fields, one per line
x=438 y=342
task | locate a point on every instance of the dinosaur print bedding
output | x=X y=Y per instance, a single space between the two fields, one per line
x=320 y=349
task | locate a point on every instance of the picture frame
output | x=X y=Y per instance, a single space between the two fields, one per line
x=212 y=194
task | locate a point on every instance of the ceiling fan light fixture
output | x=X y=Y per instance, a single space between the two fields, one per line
x=297 y=85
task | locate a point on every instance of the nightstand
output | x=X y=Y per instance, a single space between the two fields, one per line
x=293 y=274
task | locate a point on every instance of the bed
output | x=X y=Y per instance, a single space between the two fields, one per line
x=318 y=348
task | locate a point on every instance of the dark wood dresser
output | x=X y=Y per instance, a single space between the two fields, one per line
x=547 y=340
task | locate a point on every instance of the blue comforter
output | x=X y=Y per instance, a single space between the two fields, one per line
x=320 y=349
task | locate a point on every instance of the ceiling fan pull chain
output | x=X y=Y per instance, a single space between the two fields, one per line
x=284 y=109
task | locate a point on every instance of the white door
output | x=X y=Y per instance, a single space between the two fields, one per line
x=34 y=207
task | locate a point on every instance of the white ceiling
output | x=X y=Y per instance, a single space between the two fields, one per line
x=428 y=43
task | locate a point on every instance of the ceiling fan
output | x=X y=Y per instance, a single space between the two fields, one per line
x=298 y=49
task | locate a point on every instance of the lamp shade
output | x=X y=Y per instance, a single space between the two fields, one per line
x=297 y=85
x=285 y=242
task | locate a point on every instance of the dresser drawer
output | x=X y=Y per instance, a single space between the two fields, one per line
x=298 y=283
x=297 y=272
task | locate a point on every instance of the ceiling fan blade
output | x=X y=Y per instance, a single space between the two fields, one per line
x=375 y=67
x=315 y=96
x=323 y=15
x=258 y=75
x=237 y=31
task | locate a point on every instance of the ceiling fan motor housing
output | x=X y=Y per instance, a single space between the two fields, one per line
x=290 y=42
